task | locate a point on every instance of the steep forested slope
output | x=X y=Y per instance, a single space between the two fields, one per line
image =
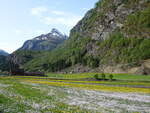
x=114 y=32
x=4 y=64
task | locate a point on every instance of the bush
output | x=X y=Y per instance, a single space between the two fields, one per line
x=96 y=77
x=103 y=76
x=111 y=77
x=91 y=61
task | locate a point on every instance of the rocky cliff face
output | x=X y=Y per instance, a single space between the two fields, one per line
x=45 y=42
x=109 y=16
x=129 y=18
x=119 y=31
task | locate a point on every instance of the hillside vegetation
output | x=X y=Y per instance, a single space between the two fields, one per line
x=114 y=32
x=4 y=64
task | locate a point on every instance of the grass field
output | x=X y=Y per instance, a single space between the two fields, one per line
x=128 y=77
x=72 y=93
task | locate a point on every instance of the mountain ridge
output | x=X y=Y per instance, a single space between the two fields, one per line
x=36 y=46
x=4 y=53
x=47 y=41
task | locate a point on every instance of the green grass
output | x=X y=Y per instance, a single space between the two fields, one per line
x=116 y=83
x=94 y=87
x=19 y=97
x=121 y=79
x=44 y=94
x=132 y=77
x=129 y=77
x=71 y=76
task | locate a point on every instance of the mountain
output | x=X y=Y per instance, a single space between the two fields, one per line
x=3 y=61
x=4 y=64
x=45 y=41
x=2 y=52
x=37 y=46
x=113 y=37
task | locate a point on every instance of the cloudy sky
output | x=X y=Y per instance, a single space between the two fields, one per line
x=21 y=20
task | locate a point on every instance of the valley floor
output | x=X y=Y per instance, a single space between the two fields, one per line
x=51 y=95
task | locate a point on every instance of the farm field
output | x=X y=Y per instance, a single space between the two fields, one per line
x=75 y=93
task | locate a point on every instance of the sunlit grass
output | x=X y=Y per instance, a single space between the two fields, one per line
x=94 y=87
x=42 y=94
x=18 y=96
x=130 y=77
x=106 y=82
x=109 y=82
x=71 y=76
x=123 y=77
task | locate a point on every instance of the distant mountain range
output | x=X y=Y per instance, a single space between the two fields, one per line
x=4 y=53
x=45 y=41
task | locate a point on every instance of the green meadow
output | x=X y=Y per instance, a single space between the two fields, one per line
x=75 y=93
